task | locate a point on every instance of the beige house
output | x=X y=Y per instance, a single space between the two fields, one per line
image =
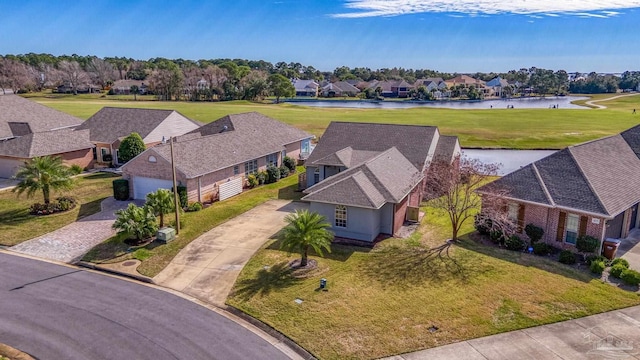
x=110 y=125
x=214 y=160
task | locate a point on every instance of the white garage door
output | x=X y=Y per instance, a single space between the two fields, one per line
x=230 y=188
x=8 y=167
x=142 y=186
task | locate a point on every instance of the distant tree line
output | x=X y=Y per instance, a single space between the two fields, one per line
x=233 y=79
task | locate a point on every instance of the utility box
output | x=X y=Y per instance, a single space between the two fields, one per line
x=166 y=235
x=610 y=247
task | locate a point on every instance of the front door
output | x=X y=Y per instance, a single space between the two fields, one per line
x=634 y=217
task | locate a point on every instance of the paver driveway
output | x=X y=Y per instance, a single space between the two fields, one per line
x=70 y=243
x=208 y=266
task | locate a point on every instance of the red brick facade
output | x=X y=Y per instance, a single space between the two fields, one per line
x=83 y=158
x=399 y=214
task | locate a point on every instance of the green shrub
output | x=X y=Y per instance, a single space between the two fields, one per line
x=284 y=172
x=196 y=206
x=593 y=257
x=617 y=270
x=597 y=267
x=172 y=223
x=515 y=243
x=497 y=237
x=290 y=163
x=130 y=147
x=273 y=174
x=630 y=277
x=541 y=249
x=482 y=224
x=622 y=261
x=262 y=177
x=182 y=196
x=586 y=243
x=567 y=257
x=534 y=232
x=121 y=189
x=252 y=180
x=75 y=169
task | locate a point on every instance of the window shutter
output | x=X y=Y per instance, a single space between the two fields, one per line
x=520 y=217
x=561 y=226
x=582 y=230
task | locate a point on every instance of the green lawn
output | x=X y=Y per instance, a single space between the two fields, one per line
x=382 y=302
x=493 y=128
x=17 y=225
x=156 y=257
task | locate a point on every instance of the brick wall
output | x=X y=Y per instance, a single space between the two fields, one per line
x=399 y=214
x=83 y=158
x=293 y=150
x=141 y=166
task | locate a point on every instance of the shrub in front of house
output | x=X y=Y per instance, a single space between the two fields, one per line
x=482 y=224
x=617 y=270
x=586 y=243
x=61 y=204
x=597 y=267
x=534 y=232
x=284 y=172
x=514 y=243
x=121 y=189
x=541 y=249
x=289 y=163
x=252 y=180
x=497 y=237
x=622 y=261
x=262 y=177
x=182 y=196
x=273 y=174
x=630 y=277
x=196 y=206
x=567 y=257
x=75 y=169
x=593 y=257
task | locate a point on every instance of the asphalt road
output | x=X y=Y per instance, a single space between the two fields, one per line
x=57 y=312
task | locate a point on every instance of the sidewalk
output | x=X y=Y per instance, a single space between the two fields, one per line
x=611 y=335
x=69 y=243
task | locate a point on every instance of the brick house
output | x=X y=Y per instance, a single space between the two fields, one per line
x=587 y=189
x=110 y=125
x=367 y=179
x=28 y=129
x=213 y=161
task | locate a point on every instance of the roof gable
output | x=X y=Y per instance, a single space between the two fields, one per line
x=16 y=109
x=46 y=143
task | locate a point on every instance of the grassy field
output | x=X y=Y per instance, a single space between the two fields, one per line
x=384 y=301
x=491 y=128
x=156 y=257
x=17 y=225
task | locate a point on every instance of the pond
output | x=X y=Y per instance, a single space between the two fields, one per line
x=511 y=160
x=560 y=102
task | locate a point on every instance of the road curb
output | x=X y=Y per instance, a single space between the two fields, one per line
x=93 y=266
x=271 y=331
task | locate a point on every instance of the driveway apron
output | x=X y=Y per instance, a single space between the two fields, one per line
x=208 y=267
x=70 y=243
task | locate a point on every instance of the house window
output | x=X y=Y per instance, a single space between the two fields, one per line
x=341 y=216
x=572 y=228
x=316 y=176
x=236 y=170
x=250 y=167
x=105 y=155
x=305 y=146
x=272 y=159
x=152 y=159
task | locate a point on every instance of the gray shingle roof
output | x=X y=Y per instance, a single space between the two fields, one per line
x=600 y=176
x=110 y=123
x=412 y=141
x=16 y=109
x=446 y=149
x=248 y=136
x=387 y=177
x=46 y=143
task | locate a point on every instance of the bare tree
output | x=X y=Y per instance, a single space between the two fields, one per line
x=73 y=74
x=13 y=75
x=101 y=71
x=166 y=80
x=451 y=187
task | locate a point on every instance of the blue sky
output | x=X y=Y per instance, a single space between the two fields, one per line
x=444 y=35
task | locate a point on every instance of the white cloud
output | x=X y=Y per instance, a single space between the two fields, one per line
x=589 y=8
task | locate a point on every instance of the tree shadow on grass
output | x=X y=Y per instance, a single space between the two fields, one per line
x=407 y=265
x=15 y=217
x=338 y=252
x=290 y=193
x=101 y=175
x=276 y=277
x=577 y=272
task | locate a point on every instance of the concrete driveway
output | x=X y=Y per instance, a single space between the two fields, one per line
x=208 y=267
x=630 y=249
x=70 y=243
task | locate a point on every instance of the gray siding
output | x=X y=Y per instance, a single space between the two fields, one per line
x=386 y=219
x=362 y=224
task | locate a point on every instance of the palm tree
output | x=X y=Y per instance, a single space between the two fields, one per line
x=44 y=173
x=161 y=202
x=139 y=222
x=306 y=229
